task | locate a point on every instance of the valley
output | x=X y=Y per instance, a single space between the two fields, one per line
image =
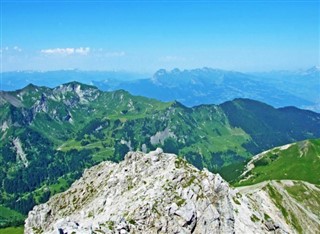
x=49 y=136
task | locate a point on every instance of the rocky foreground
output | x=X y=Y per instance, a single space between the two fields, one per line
x=155 y=193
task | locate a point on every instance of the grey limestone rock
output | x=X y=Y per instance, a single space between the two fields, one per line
x=146 y=193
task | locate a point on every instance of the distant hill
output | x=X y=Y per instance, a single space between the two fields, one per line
x=266 y=124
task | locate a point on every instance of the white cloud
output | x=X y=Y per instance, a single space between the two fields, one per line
x=83 y=51
x=66 y=51
x=8 y=49
x=16 y=48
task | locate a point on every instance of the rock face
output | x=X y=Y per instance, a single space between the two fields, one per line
x=152 y=193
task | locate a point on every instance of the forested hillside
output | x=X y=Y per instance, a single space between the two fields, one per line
x=49 y=136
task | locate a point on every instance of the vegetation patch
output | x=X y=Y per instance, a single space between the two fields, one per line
x=154 y=208
x=179 y=200
x=289 y=216
x=277 y=198
x=266 y=217
x=254 y=218
x=132 y=221
x=90 y=214
x=295 y=223
x=236 y=201
x=189 y=182
x=110 y=225
x=299 y=191
x=10 y=217
x=12 y=230
x=180 y=162
x=37 y=230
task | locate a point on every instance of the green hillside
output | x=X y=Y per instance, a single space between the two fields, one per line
x=270 y=127
x=10 y=217
x=298 y=161
x=11 y=230
x=49 y=136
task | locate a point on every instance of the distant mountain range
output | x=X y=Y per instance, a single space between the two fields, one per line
x=214 y=86
x=192 y=87
x=50 y=135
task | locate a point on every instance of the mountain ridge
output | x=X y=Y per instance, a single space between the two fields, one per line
x=158 y=192
x=303 y=156
x=215 y=86
x=192 y=87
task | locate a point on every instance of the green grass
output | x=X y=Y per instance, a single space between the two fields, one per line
x=254 y=218
x=58 y=187
x=103 y=155
x=12 y=230
x=266 y=217
x=300 y=161
x=8 y=213
x=10 y=217
x=278 y=201
x=277 y=198
x=232 y=172
x=190 y=182
x=299 y=192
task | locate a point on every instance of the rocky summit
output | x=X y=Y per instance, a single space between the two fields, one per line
x=155 y=193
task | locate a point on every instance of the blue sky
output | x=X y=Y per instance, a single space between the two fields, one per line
x=143 y=36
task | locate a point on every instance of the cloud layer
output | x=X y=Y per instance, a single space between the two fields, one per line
x=66 y=51
x=10 y=49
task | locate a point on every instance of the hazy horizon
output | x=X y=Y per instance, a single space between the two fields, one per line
x=168 y=70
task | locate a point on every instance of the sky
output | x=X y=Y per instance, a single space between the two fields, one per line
x=144 y=36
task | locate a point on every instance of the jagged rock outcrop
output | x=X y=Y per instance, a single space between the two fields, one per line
x=152 y=193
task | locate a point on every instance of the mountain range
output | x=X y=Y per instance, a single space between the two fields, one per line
x=50 y=135
x=215 y=86
x=191 y=87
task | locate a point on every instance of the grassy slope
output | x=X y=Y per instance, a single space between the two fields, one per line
x=301 y=161
x=12 y=230
x=13 y=216
x=270 y=127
